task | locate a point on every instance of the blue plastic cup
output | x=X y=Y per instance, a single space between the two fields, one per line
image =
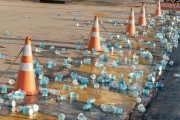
x=44 y=92
x=10 y=103
x=91 y=100
x=87 y=107
x=4 y=89
x=66 y=87
x=27 y=110
x=61 y=116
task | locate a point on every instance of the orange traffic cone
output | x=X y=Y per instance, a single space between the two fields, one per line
x=131 y=24
x=26 y=80
x=142 y=18
x=94 y=41
x=158 y=9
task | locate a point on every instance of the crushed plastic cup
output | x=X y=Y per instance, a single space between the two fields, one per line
x=111 y=109
x=44 y=81
x=37 y=71
x=1 y=100
x=54 y=91
x=112 y=76
x=2 y=56
x=169 y=49
x=96 y=86
x=133 y=87
x=66 y=87
x=52 y=47
x=44 y=92
x=73 y=95
x=149 y=85
x=74 y=19
x=7 y=33
x=63 y=50
x=159 y=85
x=69 y=59
x=104 y=107
x=120 y=52
x=118 y=61
x=176 y=75
x=141 y=73
x=11 y=82
x=111 y=49
x=10 y=103
x=51 y=64
x=35 y=108
x=68 y=66
x=37 y=50
x=105 y=59
x=127 y=60
x=100 y=80
x=118 y=110
x=87 y=61
x=128 y=45
x=104 y=74
x=73 y=75
x=77 y=24
x=65 y=62
x=4 y=89
x=99 y=64
x=84 y=80
x=79 y=62
x=114 y=64
x=28 y=110
x=75 y=82
x=81 y=116
x=41 y=45
x=141 y=108
x=146 y=92
x=121 y=75
x=93 y=76
x=136 y=93
x=39 y=66
x=61 y=116
x=62 y=98
x=86 y=53
x=83 y=86
x=87 y=107
x=91 y=100
x=57 y=52
x=171 y=63
x=41 y=75
x=135 y=61
x=59 y=78
x=138 y=100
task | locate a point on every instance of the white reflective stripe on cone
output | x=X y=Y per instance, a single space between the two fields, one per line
x=26 y=66
x=96 y=24
x=95 y=34
x=27 y=50
x=132 y=13
x=143 y=15
x=131 y=22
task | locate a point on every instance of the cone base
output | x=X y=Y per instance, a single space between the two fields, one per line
x=98 y=50
x=130 y=33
